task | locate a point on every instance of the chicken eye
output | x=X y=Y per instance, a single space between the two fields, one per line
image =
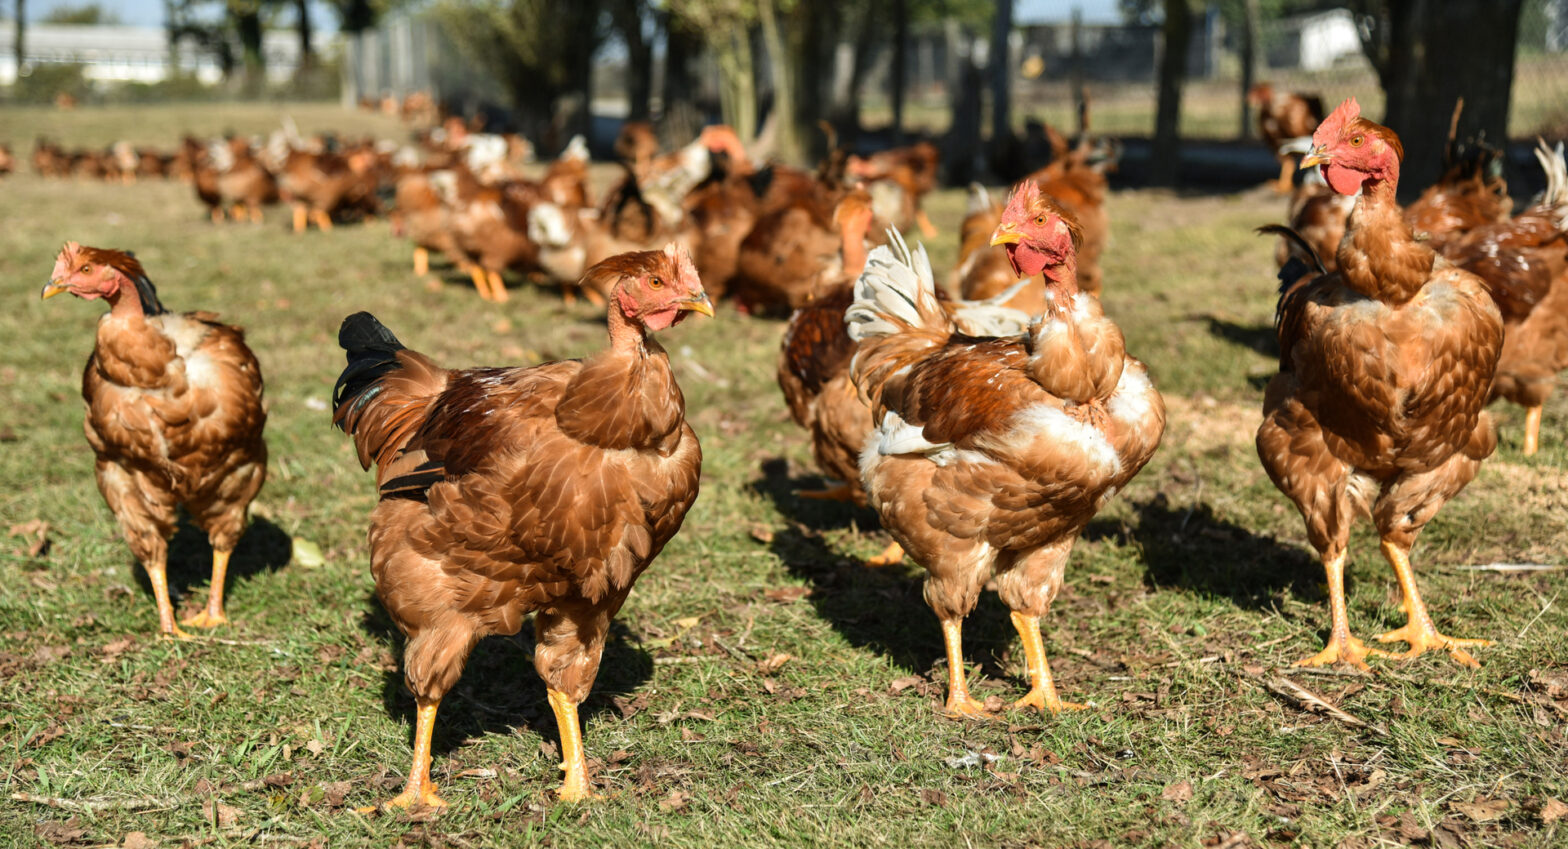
x=1355 y=141
x=84 y=269
x=1039 y=221
x=656 y=283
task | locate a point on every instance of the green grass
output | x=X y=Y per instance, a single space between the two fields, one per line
x=1185 y=599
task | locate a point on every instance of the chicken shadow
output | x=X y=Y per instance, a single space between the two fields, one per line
x=1195 y=550
x=263 y=548
x=1263 y=339
x=499 y=691
x=882 y=609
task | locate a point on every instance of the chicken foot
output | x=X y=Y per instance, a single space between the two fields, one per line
x=420 y=790
x=575 y=786
x=1042 y=692
x=322 y=219
x=301 y=216
x=959 y=703
x=838 y=492
x=158 y=576
x=890 y=556
x=481 y=282
x=213 y=615
x=1342 y=647
x=1419 y=631
x=927 y=229
x=1532 y=430
x=421 y=262
x=1286 y=166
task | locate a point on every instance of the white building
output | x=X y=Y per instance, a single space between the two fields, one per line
x=118 y=54
x=1315 y=42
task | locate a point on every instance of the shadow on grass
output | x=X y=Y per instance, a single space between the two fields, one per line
x=882 y=609
x=499 y=691
x=263 y=548
x=1260 y=338
x=1195 y=550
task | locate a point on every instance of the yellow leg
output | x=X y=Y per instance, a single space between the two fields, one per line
x=421 y=262
x=594 y=297
x=481 y=282
x=927 y=229
x=256 y=215
x=301 y=215
x=1285 y=166
x=213 y=616
x=575 y=786
x=890 y=556
x=419 y=790
x=159 y=577
x=959 y=702
x=1342 y=648
x=839 y=492
x=1042 y=691
x=217 y=214
x=1532 y=431
x=497 y=287
x=1419 y=631
x=237 y=212
x=322 y=219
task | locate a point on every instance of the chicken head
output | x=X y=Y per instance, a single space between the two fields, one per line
x=91 y=273
x=653 y=289
x=1040 y=236
x=1353 y=151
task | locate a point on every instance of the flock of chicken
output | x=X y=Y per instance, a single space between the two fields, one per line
x=985 y=428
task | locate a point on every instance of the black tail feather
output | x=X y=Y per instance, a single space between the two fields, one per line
x=1293 y=270
x=372 y=352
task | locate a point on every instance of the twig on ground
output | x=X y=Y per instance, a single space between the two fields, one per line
x=1513 y=567
x=1312 y=702
x=98 y=804
x=1538 y=615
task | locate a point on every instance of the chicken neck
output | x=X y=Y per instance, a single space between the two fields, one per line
x=1378 y=255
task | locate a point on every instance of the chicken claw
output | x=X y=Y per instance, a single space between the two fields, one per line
x=419 y=790
x=1044 y=701
x=205 y=619
x=890 y=556
x=1042 y=692
x=1347 y=650
x=1424 y=637
x=574 y=788
x=961 y=705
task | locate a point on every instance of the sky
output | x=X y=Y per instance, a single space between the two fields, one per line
x=150 y=12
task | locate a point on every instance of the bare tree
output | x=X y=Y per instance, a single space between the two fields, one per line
x=726 y=27
x=1165 y=160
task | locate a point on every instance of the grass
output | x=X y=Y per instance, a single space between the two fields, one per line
x=1186 y=599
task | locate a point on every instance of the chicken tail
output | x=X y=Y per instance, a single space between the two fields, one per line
x=896 y=293
x=1302 y=250
x=384 y=392
x=1555 y=198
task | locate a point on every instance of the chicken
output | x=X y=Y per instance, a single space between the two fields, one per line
x=1317 y=214
x=913 y=169
x=421 y=215
x=233 y=177
x=489 y=224
x=636 y=145
x=1282 y=116
x=318 y=185
x=1385 y=368
x=509 y=491
x=1524 y=263
x=174 y=415
x=7 y=160
x=792 y=250
x=990 y=455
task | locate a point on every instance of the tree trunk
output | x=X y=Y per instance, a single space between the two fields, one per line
x=1249 y=63
x=679 y=118
x=811 y=40
x=171 y=28
x=19 y=45
x=1165 y=161
x=964 y=89
x=899 y=80
x=1429 y=53
x=737 y=83
x=789 y=146
x=247 y=23
x=307 y=53
x=1001 y=71
x=639 y=59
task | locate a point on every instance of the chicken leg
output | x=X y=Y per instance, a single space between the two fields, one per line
x=1042 y=692
x=959 y=702
x=890 y=556
x=481 y=282
x=575 y=787
x=322 y=219
x=927 y=229
x=420 y=790
x=1286 y=165
x=158 y=576
x=1342 y=647
x=497 y=287
x=1532 y=430
x=301 y=214
x=1419 y=631
x=421 y=262
x=213 y=615
x=839 y=492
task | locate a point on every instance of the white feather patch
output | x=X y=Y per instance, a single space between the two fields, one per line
x=1133 y=399
x=897 y=283
x=1051 y=422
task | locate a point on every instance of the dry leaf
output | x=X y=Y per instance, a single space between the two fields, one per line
x=933 y=798
x=772 y=664
x=762 y=533
x=116 y=648
x=901 y=684
x=315 y=747
x=674 y=802
x=306 y=554
x=1179 y=792
x=35 y=533
x=1482 y=809
x=224 y=815
x=785 y=595
x=57 y=831
x=137 y=840
x=1552 y=811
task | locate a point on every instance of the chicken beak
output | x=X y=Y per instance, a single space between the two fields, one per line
x=52 y=288
x=699 y=303
x=1006 y=234
x=1317 y=156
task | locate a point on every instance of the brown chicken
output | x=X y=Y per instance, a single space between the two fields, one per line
x=1282 y=116
x=913 y=169
x=509 y=491
x=319 y=185
x=1524 y=263
x=174 y=415
x=1385 y=368
x=421 y=216
x=489 y=224
x=792 y=250
x=231 y=178
x=990 y=455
